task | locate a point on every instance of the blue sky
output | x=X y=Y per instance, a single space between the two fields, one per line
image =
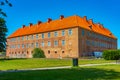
x=23 y=12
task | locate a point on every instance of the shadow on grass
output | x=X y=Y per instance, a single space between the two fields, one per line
x=63 y=74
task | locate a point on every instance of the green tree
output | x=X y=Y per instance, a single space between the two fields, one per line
x=3 y=30
x=38 y=53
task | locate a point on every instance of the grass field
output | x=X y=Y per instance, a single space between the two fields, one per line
x=39 y=63
x=107 y=72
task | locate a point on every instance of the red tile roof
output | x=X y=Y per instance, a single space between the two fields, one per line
x=72 y=21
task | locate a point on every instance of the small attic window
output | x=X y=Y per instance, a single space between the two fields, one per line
x=110 y=34
x=90 y=26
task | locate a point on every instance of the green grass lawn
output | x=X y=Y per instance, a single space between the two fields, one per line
x=106 y=72
x=40 y=63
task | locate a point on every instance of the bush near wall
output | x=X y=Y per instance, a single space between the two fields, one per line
x=38 y=53
x=111 y=54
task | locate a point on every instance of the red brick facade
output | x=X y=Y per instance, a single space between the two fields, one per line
x=67 y=37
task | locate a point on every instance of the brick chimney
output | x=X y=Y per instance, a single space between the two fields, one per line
x=61 y=17
x=49 y=20
x=30 y=24
x=23 y=26
x=91 y=21
x=85 y=18
x=39 y=22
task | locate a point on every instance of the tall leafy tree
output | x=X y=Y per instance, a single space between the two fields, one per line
x=3 y=27
x=3 y=30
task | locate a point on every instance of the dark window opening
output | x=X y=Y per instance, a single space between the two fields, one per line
x=63 y=51
x=48 y=51
x=55 y=51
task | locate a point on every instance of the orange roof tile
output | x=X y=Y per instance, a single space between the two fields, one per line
x=63 y=23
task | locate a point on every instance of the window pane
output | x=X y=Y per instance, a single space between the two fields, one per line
x=55 y=43
x=55 y=34
x=63 y=32
x=70 y=31
x=42 y=44
x=42 y=35
x=63 y=42
x=36 y=36
x=83 y=32
x=37 y=45
x=49 y=35
x=49 y=43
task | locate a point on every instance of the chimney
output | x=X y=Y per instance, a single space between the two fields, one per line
x=91 y=21
x=85 y=18
x=23 y=26
x=61 y=17
x=39 y=22
x=110 y=34
x=49 y=20
x=30 y=24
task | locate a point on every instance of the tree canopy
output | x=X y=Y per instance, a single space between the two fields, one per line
x=3 y=27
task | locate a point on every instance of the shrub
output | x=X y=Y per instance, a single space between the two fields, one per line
x=38 y=53
x=111 y=54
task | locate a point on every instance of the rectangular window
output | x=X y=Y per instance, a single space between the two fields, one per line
x=32 y=37
x=27 y=45
x=83 y=32
x=23 y=38
x=32 y=45
x=22 y=45
x=36 y=36
x=18 y=45
x=26 y=37
x=37 y=45
x=42 y=44
x=63 y=32
x=49 y=43
x=70 y=32
x=18 y=38
x=56 y=43
x=55 y=33
x=42 y=35
x=49 y=35
x=63 y=42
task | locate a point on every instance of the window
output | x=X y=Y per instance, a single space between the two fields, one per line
x=49 y=43
x=37 y=45
x=48 y=51
x=22 y=45
x=26 y=37
x=32 y=36
x=49 y=35
x=70 y=32
x=27 y=45
x=42 y=44
x=18 y=38
x=55 y=34
x=18 y=45
x=83 y=32
x=56 y=52
x=36 y=36
x=63 y=51
x=23 y=38
x=55 y=43
x=32 y=45
x=63 y=42
x=42 y=35
x=63 y=32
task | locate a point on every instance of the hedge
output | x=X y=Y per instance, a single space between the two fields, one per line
x=111 y=54
x=38 y=53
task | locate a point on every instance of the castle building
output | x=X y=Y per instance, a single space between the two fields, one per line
x=72 y=36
